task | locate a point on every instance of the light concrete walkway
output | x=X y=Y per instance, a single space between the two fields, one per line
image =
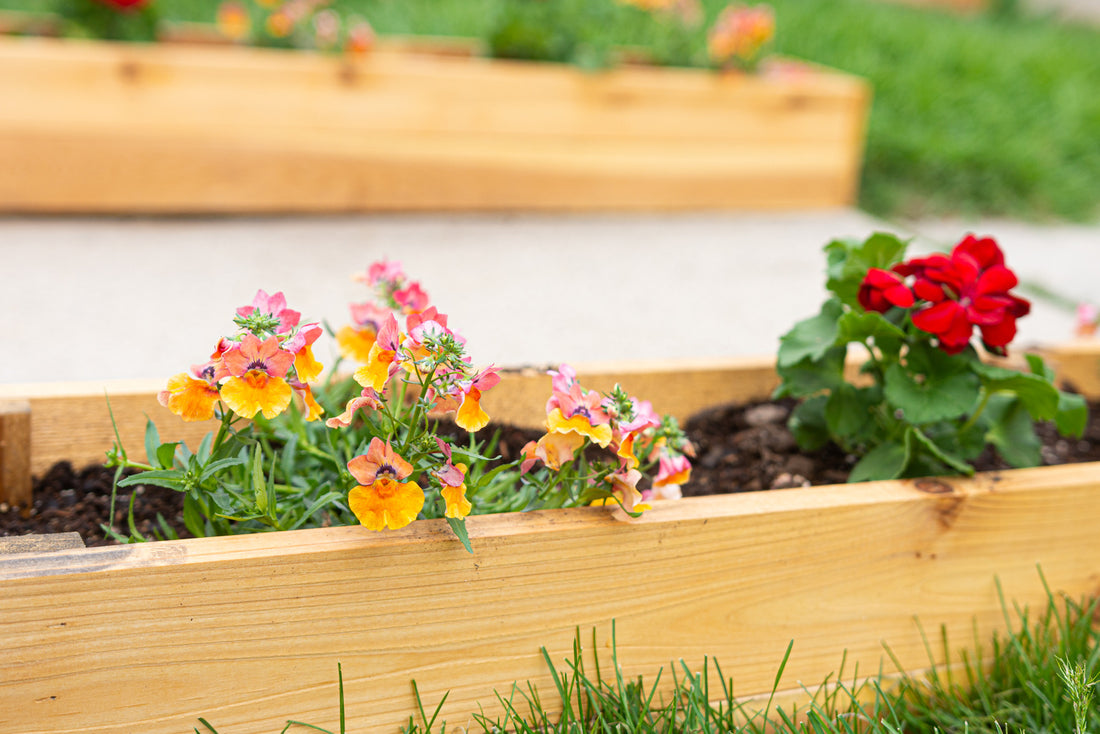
x=98 y=299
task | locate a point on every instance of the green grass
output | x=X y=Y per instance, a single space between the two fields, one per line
x=990 y=115
x=1038 y=679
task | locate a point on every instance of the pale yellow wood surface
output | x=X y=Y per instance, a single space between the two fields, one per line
x=176 y=129
x=247 y=631
x=72 y=421
x=15 y=453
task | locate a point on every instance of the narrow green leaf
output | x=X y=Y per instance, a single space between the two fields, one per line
x=166 y=454
x=152 y=440
x=155 y=476
x=458 y=525
x=259 y=485
x=885 y=461
x=193 y=519
x=219 y=464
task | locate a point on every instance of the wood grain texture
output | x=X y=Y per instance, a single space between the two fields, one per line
x=247 y=631
x=15 y=453
x=409 y=131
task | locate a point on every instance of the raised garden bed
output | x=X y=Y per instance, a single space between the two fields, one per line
x=94 y=127
x=247 y=630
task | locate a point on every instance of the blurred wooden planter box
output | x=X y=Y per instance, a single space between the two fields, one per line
x=247 y=631
x=92 y=127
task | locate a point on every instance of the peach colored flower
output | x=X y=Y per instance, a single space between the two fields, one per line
x=383 y=499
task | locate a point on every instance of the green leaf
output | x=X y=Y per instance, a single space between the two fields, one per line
x=1012 y=431
x=946 y=457
x=218 y=465
x=848 y=412
x=807 y=423
x=811 y=377
x=458 y=525
x=259 y=485
x=192 y=517
x=152 y=441
x=166 y=454
x=1073 y=414
x=885 y=461
x=172 y=478
x=926 y=398
x=1037 y=394
x=860 y=326
x=849 y=262
x=1038 y=367
x=810 y=338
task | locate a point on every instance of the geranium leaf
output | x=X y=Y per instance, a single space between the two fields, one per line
x=1012 y=431
x=957 y=463
x=885 y=461
x=1073 y=414
x=811 y=377
x=929 y=398
x=1038 y=396
x=848 y=412
x=810 y=338
x=807 y=423
x=859 y=326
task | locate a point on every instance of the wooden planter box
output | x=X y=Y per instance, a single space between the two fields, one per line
x=92 y=127
x=246 y=631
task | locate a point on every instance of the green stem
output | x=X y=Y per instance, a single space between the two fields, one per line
x=977 y=413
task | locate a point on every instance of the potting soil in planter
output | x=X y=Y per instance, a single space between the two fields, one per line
x=738 y=448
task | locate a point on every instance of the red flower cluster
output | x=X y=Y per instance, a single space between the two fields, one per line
x=124 y=4
x=959 y=291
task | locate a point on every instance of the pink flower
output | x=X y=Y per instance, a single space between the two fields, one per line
x=273 y=306
x=672 y=470
x=1088 y=318
x=383 y=271
x=411 y=298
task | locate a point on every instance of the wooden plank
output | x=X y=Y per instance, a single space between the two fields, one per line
x=72 y=421
x=44 y=543
x=311 y=133
x=246 y=631
x=15 y=453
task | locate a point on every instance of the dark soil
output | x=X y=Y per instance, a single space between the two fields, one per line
x=738 y=448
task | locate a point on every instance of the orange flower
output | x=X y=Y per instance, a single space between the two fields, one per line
x=190 y=399
x=383 y=500
x=355 y=343
x=376 y=372
x=256 y=384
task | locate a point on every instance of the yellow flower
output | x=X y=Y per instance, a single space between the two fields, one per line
x=190 y=399
x=579 y=424
x=355 y=343
x=257 y=392
x=457 y=504
x=383 y=500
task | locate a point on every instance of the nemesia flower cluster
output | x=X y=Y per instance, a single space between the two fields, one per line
x=951 y=294
x=256 y=370
x=306 y=23
x=429 y=355
x=577 y=418
x=740 y=34
x=383 y=457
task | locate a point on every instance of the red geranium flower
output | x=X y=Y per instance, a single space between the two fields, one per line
x=124 y=4
x=882 y=289
x=966 y=289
